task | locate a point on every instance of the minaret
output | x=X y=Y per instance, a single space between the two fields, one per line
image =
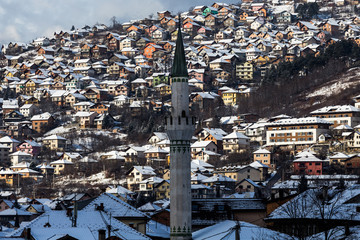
x=180 y=128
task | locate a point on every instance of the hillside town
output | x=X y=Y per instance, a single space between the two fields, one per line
x=87 y=132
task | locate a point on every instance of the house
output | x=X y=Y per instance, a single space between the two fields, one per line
x=248 y=185
x=72 y=98
x=137 y=174
x=212 y=134
x=42 y=122
x=157 y=137
x=231 y=97
x=71 y=156
x=308 y=164
x=18 y=157
x=264 y=157
x=10 y=177
x=221 y=184
x=134 y=154
x=235 y=142
x=55 y=142
x=147 y=186
x=31 y=147
x=156 y=154
x=99 y=108
x=204 y=100
x=199 y=146
x=208 y=156
x=239 y=173
x=10 y=143
x=86 y=119
x=245 y=71
x=62 y=166
x=28 y=110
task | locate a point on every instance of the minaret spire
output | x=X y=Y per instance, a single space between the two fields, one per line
x=180 y=129
x=179 y=68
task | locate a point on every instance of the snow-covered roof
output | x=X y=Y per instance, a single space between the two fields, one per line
x=152 y=180
x=262 y=151
x=226 y=230
x=41 y=117
x=218 y=178
x=257 y=164
x=198 y=177
x=56 y=224
x=337 y=109
x=201 y=144
x=115 y=206
x=61 y=161
x=309 y=205
x=299 y=121
x=235 y=135
x=308 y=158
x=54 y=137
x=8 y=139
x=145 y=170
x=156 y=150
x=340 y=155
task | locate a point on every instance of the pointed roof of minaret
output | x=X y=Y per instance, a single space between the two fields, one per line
x=179 y=68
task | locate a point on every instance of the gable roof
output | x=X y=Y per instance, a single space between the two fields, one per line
x=88 y=225
x=226 y=230
x=115 y=206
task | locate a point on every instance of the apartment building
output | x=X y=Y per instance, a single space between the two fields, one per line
x=296 y=131
x=339 y=115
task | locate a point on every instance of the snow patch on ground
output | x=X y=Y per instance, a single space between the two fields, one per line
x=350 y=79
x=95 y=179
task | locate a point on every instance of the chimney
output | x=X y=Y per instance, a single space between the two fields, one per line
x=101 y=207
x=27 y=233
x=69 y=212
x=102 y=234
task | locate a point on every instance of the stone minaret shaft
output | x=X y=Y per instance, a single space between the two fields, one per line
x=180 y=128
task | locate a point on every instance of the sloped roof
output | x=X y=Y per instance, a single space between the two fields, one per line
x=226 y=230
x=115 y=206
x=262 y=151
x=235 y=135
x=337 y=109
x=88 y=225
x=218 y=178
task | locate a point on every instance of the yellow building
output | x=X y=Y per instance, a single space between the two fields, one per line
x=162 y=190
x=10 y=177
x=62 y=166
x=263 y=156
x=55 y=142
x=245 y=71
x=231 y=97
x=163 y=89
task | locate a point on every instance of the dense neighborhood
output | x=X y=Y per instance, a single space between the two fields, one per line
x=84 y=151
